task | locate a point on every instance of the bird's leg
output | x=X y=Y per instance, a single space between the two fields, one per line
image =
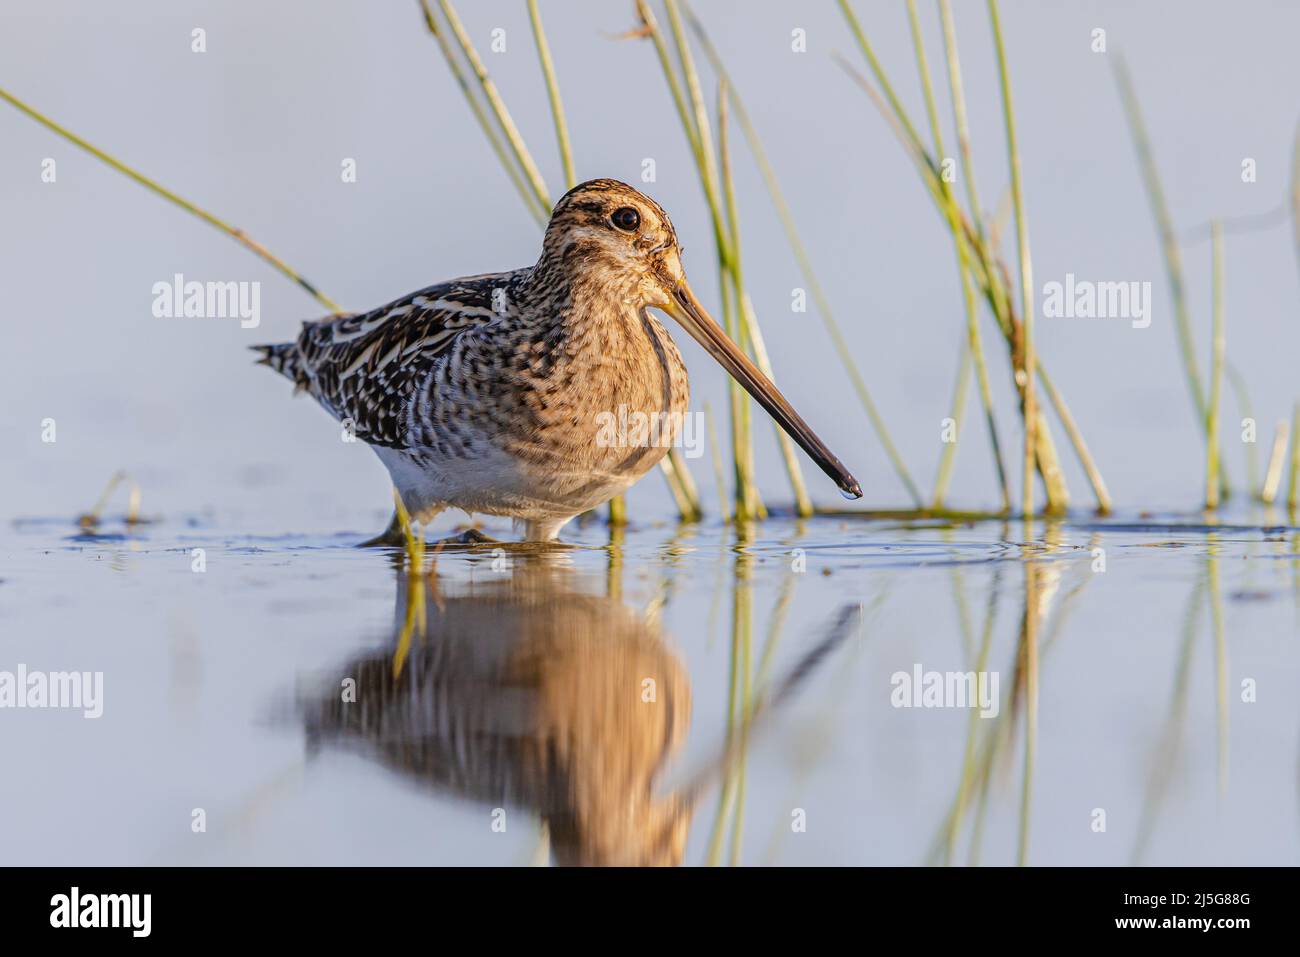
x=413 y=534
x=543 y=530
x=416 y=618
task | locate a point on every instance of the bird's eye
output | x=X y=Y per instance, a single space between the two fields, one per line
x=626 y=218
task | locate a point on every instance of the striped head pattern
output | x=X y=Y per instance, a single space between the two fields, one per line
x=610 y=233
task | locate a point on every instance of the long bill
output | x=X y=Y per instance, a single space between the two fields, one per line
x=686 y=309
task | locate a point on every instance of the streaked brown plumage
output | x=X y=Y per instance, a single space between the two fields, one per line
x=486 y=393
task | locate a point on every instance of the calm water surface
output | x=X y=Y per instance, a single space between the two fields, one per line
x=588 y=704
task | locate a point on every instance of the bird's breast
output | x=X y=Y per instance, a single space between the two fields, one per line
x=578 y=413
x=618 y=399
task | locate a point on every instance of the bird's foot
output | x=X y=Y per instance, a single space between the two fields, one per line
x=394 y=536
x=471 y=536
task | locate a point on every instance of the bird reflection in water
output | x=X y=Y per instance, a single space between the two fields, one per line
x=525 y=691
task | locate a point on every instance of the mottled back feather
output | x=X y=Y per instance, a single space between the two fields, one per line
x=364 y=368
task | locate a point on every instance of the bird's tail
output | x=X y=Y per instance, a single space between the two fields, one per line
x=286 y=359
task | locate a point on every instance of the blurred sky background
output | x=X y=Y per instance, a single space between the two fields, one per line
x=255 y=130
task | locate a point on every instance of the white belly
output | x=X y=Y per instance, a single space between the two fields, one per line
x=494 y=482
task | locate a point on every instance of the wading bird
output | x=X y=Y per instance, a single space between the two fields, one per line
x=488 y=393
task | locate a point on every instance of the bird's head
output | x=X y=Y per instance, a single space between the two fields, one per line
x=607 y=233
x=608 y=236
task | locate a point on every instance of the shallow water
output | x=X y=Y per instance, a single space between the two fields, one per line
x=520 y=726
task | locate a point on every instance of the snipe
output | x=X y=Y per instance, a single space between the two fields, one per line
x=490 y=393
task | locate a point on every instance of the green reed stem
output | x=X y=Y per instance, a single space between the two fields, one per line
x=232 y=231
x=956 y=412
x=651 y=25
x=1276 y=463
x=804 y=262
x=740 y=331
x=1027 y=359
x=493 y=96
x=553 y=92
x=993 y=279
x=90 y=520
x=752 y=332
x=695 y=122
x=617 y=514
x=948 y=456
x=1169 y=247
x=923 y=70
x=957 y=91
x=695 y=94
x=1075 y=436
x=886 y=87
x=539 y=211
x=973 y=347
x=1217 y=348
x=748 y=506
x=990 y=280
x=982 y=377
x=682 y=486
x=741 y=451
